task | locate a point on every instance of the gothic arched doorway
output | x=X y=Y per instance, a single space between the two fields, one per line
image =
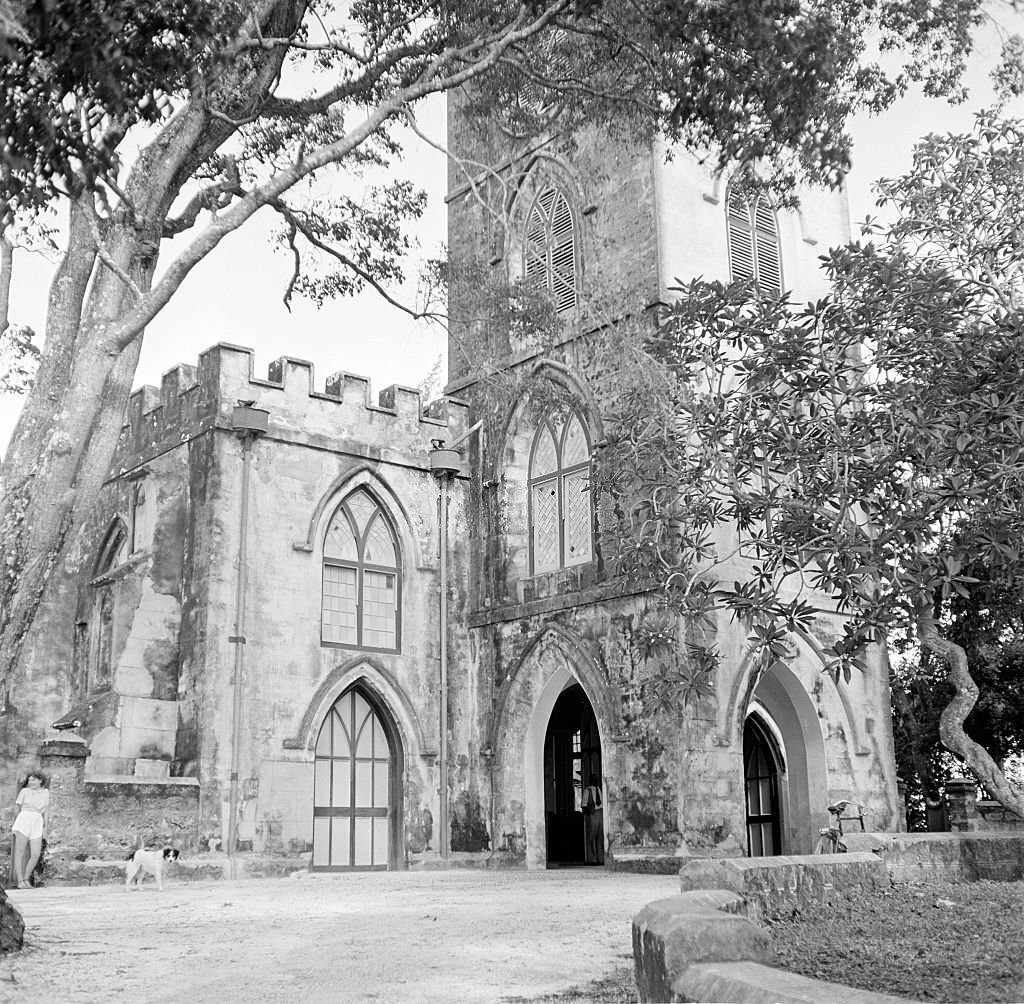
x=357 y=787
x=761 y=787
x=572 y=752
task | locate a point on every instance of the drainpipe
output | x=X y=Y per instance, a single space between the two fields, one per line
x=248 y=423
x=444 y=465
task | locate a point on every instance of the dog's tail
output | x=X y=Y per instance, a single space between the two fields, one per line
x=137 y=847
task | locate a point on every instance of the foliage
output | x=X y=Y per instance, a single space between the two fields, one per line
x=863 y=453
x=19 y=358
x=675 y=675
x=80 y=74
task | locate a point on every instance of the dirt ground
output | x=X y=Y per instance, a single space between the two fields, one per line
x=448 y=936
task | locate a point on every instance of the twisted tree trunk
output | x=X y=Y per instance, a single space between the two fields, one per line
x=951 y=721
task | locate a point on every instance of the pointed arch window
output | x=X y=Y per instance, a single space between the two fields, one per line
x=137 y=513
x=361 y=604
x=754 y=250
x=561 y=520
x=113 y=553
x=551 y=260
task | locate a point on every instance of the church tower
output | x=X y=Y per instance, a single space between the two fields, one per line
x=558 y=648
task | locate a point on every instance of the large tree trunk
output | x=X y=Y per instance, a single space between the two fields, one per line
x=61 y=449
x=64 y=442
x=951 y=721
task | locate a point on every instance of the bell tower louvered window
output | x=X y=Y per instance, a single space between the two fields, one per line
x=361 y=605
x=550 y=259
x=561 y=524
x=754 y=242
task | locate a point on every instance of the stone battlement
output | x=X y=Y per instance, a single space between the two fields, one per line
x=192 y=400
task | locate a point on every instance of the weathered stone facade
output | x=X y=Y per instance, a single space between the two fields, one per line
x=252 y=648
x=676 y=778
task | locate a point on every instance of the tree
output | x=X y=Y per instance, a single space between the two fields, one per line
x=988 y=624
x=174 y=121
x=861 y=454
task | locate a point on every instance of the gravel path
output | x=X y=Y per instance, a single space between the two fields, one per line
x=938 y=942
x=459 y=936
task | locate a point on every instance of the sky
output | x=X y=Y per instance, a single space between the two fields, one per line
x=235 y=295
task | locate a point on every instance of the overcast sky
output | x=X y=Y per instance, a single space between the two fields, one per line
x=235 y=295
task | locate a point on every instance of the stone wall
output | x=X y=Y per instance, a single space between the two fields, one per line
x=967 y=813
x=705 y=945
x=107 y=818
x=955 y=857
x=781 y=886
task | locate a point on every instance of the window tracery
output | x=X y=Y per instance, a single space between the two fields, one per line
x=360 y=602
x=561 y=521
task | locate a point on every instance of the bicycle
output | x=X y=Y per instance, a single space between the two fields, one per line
x=830 y=838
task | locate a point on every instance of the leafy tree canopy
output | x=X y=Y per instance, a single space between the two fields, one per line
x=863 y=453
x=163 y=127
x=745 y=79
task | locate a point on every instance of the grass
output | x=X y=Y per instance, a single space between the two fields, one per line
x=959 y=942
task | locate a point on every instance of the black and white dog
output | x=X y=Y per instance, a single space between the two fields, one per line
x=153 y=862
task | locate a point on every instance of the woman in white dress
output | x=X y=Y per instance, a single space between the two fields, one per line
x=32 y=803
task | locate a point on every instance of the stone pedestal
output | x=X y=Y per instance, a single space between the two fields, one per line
x=62 y=760
x=962 y=804
x=901 y=805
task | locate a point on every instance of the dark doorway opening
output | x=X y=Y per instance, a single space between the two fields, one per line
x=572 y=752
x=761 y=785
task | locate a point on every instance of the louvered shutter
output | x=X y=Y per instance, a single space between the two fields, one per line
x=536 y=252
x=563 y=255
x=741 y=244
x=549 y=258
x=768 y=260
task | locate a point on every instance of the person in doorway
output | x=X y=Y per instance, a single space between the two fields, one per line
x=33 y=803
x=593 y=823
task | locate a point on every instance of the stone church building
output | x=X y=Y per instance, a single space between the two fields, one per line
x=315 y=621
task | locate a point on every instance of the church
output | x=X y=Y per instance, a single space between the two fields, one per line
x=370 y=631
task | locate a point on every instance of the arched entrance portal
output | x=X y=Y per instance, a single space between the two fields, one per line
x=761 y=787
x=356 y=789
x=572 y=752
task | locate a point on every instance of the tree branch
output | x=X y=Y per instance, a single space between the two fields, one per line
x=6 y=271
x=135 y=319
x=295 y=223
x=211 y=197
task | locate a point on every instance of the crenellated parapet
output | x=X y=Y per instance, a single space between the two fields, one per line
x=343 y=417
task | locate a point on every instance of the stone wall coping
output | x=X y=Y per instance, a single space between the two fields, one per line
x=734 y=873
x=756 y=983
x=131 y=780
x=787 y=860
x=884 y=840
